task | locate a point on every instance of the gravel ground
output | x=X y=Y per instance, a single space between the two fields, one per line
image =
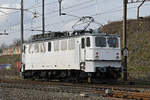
x=25 y=94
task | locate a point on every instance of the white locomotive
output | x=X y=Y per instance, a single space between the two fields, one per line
x=76 y=55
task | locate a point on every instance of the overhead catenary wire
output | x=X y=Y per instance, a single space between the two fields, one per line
x=3 y=12
x=67 y=13
x=79 y=4
x=51 y=24
x=64 y=9
x=47 y=4
x=107 y=12
x=9 y=8
x=27 y=9
x=73 y=6
x=111 y=11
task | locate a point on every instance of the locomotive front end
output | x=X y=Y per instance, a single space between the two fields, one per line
x=103 y=58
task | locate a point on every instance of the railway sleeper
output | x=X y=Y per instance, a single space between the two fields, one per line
x=130 y=95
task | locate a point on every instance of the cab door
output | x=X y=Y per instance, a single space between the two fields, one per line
x=86 y=63
x=86 y=50
x=82 y=50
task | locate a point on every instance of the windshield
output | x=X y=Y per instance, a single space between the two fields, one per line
x=113 y=42
x=100 y=41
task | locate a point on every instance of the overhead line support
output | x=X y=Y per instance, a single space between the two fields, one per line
x=60 y=7
x=22 y=30
x=138 y=9
x=125 y=49
x=43 y=16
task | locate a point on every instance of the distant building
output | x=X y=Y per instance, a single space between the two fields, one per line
x=13 y=50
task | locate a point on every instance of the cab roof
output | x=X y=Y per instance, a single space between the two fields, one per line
x=67 y=34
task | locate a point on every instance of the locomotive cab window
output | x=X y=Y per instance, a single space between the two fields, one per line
x=113 y=42
x=49 y=46
x=100 y=41
x=88 y=42
x=82 y=43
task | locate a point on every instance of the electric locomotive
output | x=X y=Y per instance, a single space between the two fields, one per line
x=73 y=55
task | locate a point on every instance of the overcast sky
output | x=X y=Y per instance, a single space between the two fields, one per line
x=103 y=11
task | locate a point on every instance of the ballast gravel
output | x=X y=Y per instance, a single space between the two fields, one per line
x=26 y=94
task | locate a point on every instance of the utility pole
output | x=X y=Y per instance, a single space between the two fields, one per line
x=60 y=7
x=22 y=30
x=43 y=17
x=125 y=49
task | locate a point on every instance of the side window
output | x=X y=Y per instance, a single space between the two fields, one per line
x=49 y=46
x=100 y=41
x=36 y=48
x=71 y=44
x=64 y=45
x=82 y=43
x=42 y=47
x=56 y=45
x=88 y=41
x=113 y=42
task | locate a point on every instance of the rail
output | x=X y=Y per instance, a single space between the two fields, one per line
x=106 y=90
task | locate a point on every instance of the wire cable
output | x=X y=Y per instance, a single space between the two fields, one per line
x=113 y=11
x=97 y=14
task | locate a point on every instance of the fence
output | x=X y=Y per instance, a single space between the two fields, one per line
x=10 y=51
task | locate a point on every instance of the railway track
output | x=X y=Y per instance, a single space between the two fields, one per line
x=117 y=91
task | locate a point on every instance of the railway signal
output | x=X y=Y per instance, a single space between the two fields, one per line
x=125 y=52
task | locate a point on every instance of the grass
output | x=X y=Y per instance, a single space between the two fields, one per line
x=9 y=60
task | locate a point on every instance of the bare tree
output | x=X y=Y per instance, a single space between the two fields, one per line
x=3 y=45
x=16 y=42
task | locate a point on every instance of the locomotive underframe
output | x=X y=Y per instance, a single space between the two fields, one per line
x=101 y=74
